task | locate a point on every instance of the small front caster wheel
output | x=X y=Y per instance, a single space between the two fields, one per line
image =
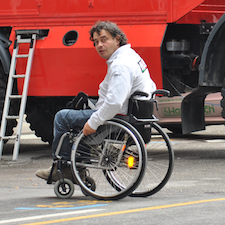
x=64 y=189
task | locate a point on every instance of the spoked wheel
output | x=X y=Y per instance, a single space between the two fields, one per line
x=104 y=155
x=64 y=189
x=159 y=166
x=90 y=183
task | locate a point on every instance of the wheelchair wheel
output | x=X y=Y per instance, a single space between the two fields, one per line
x=90 y=183
x=114 y=157
x=64 y=189
x=159 y=166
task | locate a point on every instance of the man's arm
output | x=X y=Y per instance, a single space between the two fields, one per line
x=118 y=89
x=87 y=130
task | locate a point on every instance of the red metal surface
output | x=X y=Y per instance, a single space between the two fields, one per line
x=210 y=12
x=84 y=12
x=60 y=70
x=179 y=8
x=78 y=67
x=81 y=12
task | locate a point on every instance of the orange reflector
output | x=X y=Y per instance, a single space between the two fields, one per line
x=130 y=161
x=123 y=148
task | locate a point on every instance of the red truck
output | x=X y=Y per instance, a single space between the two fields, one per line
x=182 y=43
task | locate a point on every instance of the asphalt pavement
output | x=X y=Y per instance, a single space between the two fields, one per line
x=195 y=193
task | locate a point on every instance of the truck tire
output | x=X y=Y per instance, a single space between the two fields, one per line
x=222 y=102
x=40 y=114
x=14 y=106
x=40 y=123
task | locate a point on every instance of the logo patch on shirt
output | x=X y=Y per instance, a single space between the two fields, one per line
x=142 y=65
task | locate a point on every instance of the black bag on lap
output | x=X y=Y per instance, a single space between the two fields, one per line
x=78 y=102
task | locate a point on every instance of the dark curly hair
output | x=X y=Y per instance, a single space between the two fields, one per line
x=112 y=28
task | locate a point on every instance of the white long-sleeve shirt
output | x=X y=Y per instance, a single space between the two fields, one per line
x=126 y=73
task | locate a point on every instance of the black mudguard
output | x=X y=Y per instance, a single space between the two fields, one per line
x=192 y=109
x=211 y=76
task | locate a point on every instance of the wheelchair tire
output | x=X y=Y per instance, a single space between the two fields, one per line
x=64 y=189
x=104 y=155
x=90 y=183
x=159 y=166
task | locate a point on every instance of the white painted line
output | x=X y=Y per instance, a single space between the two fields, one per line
x=49 y=215
x=215 y=140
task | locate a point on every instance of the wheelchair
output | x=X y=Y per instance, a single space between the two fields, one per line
x=127 y=155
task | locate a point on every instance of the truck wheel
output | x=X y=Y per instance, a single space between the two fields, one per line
x=40 y=114
x=40 y=123
x=14 y=107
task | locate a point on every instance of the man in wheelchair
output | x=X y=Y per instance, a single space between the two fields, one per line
x=126 y=74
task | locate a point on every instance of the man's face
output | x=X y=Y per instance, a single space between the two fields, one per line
x=105 y=44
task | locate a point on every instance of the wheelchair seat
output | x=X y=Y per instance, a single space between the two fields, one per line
x=140 y=113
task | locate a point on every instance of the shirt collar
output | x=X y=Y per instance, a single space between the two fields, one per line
x=117 y=52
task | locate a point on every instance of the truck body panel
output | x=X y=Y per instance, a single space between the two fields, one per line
x=78 y=67
x=144 y=23
x=170 y=35
x=55 y=12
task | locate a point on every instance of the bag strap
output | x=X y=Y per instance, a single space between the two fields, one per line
x=91 y=104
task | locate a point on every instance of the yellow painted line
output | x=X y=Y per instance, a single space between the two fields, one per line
x=126 y=211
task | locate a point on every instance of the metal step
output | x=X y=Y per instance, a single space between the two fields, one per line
x=10 y=137
x=15 y=96
x=22 y=56
x=12 y=117
x=24 y=41
x=19 y=76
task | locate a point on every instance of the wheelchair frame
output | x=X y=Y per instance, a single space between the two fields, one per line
x=154 y=164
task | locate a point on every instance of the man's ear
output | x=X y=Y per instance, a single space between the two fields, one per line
x=118 y=39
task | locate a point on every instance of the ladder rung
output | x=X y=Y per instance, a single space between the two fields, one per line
x=23 y=41
x=15 y=96
x=19 y=76
x=12 y=117
x=22 y=56
x=9 y=137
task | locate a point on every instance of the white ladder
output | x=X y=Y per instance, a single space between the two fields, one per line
x=22 y=37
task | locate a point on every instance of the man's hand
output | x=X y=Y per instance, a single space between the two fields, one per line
x=87 y=130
